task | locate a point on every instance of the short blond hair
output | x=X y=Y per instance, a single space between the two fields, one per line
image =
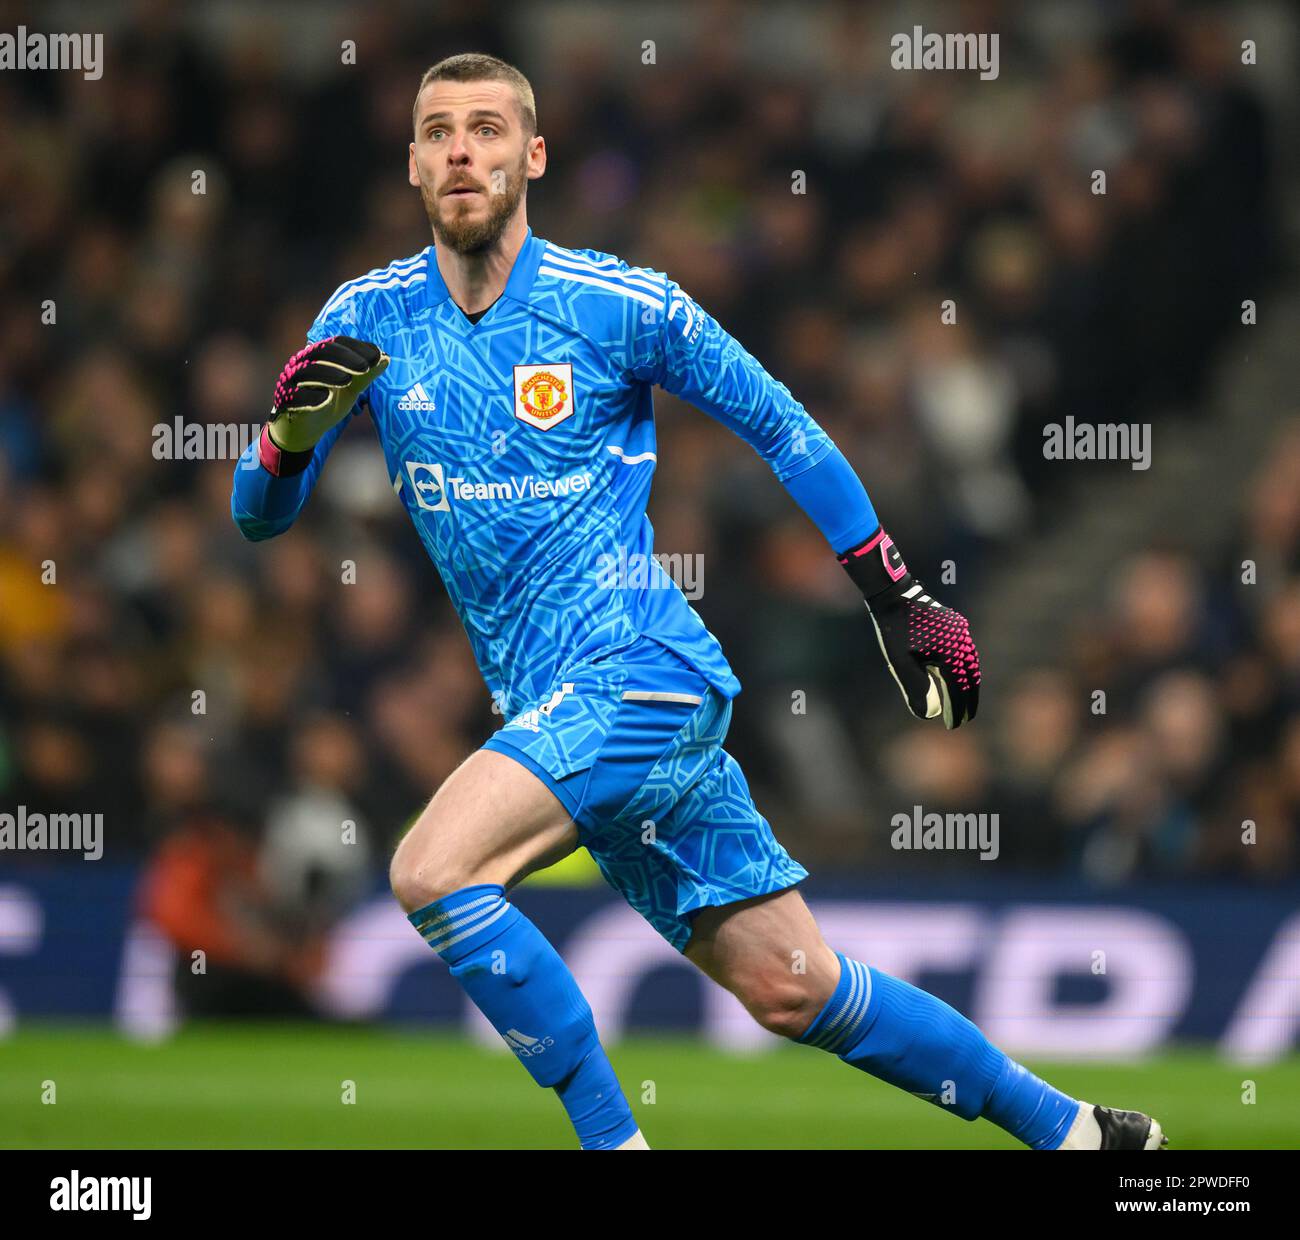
x=478 y=67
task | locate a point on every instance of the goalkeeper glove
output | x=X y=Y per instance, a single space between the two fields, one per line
x=927 y=646
x=316 y=391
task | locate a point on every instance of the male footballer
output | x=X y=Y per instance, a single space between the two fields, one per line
x=509 y=380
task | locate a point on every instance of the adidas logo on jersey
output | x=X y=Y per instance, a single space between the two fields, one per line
x=417 y=400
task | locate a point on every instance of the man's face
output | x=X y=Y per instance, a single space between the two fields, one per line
x=472 y=160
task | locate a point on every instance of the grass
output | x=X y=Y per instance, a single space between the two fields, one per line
x=283 y=1087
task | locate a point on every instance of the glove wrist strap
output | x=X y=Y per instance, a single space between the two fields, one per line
x=278 y=462
x=875 y=565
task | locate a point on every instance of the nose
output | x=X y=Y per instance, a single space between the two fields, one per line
x=458 y=149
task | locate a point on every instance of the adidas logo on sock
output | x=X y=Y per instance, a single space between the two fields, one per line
x=525 y=1046
x=417 y=399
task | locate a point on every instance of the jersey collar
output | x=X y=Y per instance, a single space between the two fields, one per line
x=518 y=286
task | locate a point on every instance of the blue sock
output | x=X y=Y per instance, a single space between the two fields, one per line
x=906 y=1037
x=518 y=981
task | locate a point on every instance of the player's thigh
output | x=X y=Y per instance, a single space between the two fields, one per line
x=492 y=821
x=766 y=950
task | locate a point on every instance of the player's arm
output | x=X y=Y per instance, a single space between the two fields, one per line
x=927 y=646
x=316 y=391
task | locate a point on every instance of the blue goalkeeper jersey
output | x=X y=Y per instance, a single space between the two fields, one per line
x=523 y=448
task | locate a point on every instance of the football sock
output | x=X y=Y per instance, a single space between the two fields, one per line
x=905 y=1036
x=518 y=981
x=1085 y=1132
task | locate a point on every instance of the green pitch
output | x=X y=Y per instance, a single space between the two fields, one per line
x=284 y=1087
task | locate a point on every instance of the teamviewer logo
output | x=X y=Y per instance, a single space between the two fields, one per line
x=427 y=486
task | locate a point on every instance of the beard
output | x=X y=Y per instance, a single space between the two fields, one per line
x=453 y=228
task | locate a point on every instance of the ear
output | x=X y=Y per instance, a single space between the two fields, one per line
x=536 y=157
x=412 y=173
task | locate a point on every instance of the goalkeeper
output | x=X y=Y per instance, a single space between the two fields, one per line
x=509 y=381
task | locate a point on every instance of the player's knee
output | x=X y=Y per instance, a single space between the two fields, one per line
x=416 y=882
x=782 y=1005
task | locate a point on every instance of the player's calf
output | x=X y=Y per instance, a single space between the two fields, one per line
x=490 y=824
x=901 y=1034
x=770 y=954
x=518 y=981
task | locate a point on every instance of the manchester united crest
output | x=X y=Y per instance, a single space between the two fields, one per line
x=544 y=394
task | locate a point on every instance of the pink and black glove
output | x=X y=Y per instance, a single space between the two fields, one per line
x=316 y=390
x=928 y=647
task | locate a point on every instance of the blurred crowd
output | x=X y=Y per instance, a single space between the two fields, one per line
x=1189 y=765
x=228 y=706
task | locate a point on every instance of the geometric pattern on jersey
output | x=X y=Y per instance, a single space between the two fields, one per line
x=537 y=524
x=632 y=747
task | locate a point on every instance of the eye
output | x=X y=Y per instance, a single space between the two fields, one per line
x=488 y=129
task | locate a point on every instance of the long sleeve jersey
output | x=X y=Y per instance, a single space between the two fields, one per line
x=523 y=448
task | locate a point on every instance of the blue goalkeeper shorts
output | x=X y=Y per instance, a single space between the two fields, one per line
x=631 y=744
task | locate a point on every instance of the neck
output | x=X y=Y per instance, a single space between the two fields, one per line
x=476 y=280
